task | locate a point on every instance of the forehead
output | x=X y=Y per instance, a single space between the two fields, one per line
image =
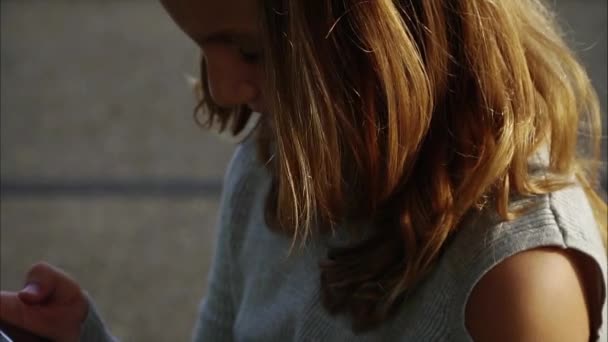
x=201 y=17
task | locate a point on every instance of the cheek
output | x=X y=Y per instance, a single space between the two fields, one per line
x=220 y=76
x=228 y=75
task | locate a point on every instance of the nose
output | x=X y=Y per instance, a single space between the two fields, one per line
x=231 y=81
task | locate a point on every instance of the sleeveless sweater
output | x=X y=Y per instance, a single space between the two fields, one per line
x=258 y=291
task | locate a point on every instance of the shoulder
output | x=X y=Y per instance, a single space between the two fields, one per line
x=534 y=295
x=562 y=218
x=513 y=267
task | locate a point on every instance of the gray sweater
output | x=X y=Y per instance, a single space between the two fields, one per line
x=257 y=292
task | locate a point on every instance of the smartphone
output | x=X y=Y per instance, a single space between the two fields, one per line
x=11 y=333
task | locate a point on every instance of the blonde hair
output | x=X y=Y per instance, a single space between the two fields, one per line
x=409 y=115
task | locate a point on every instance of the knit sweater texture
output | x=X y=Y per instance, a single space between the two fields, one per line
x=258 y=291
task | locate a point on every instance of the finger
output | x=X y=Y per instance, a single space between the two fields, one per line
x=42 y=274
x=40 y=283
x=34 y=319
x=34 y=293
x=50 y=281
x=12 y=309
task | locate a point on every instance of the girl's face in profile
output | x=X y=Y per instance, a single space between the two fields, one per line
x=227 y=33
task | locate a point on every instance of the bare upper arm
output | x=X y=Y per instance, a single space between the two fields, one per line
x=536 y=295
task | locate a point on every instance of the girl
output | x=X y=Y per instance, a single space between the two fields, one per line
x=421 y=171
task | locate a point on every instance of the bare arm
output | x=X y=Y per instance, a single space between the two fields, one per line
x=537 y=295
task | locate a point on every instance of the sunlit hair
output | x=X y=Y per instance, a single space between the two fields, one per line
x=407 y=116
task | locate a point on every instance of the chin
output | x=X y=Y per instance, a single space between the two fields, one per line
x=256 y=107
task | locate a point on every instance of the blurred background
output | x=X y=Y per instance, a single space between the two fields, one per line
x=104 y=172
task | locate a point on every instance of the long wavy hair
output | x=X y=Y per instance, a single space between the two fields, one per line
x=409 y=115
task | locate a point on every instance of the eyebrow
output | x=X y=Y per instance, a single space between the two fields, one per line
x=227 y=35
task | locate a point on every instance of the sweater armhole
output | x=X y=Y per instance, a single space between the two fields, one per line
x=594 y=290
x=589 y=262
x=522 y=290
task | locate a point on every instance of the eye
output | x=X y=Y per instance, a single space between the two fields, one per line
x=250 y=56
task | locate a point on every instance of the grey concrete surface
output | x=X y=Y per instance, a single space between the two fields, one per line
x=143 y=261
x=94 y=90
x=584 y=23
x=97 y=90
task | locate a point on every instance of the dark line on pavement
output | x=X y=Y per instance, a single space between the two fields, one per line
x=30 y=188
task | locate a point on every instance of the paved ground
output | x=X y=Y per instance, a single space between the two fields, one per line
x=93 y=93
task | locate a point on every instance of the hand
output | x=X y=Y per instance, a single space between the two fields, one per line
x=51 y=304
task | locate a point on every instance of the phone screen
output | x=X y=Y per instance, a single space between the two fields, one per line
x=10 y=333
x=4 y=337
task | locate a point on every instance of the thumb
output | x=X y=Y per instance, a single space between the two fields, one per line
x=34 y=293
x=43 y=281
